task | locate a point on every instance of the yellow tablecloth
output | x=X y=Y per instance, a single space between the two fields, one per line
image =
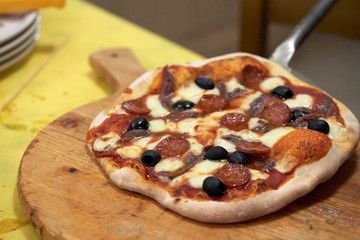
x=57 y=78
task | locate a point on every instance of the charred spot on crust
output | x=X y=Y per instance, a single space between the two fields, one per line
x=261 y=185
x=177 y=192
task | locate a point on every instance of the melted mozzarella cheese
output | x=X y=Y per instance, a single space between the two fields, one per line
x=273 y=136
x=192 y=93
x=154 y=104
x=245 y=134
x=212 y=119
x=106 y=142
x=172 y=126
x=270 y=83
x=256 y=174
x=129 y=152
x=195 y=147
x=230 y=147
x=207 y=166
x=249 y=136
x=198 y=173
x=233 y=84
x=169 y=165
x=142 y=142
x=179 y=179
x=157 y=125
x=187 y=125
x=269 y=138
x=301 y=100
x=224 y=131
x=285 y=166
x=337 y=131
x=197 y=181
x=255 y=122
x=249 y=99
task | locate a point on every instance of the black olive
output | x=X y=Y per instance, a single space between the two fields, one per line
x=319 y=125
x=150 y=158
x=214 y=186
x=282 y=92
x=238 y=157
x=296 y=113
x=139 y=123
x=216 y=153
x=183 y=105
x=204 y=82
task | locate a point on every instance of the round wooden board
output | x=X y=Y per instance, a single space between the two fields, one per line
x=66 y=195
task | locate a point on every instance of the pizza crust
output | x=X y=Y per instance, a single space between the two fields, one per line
x=306 y=177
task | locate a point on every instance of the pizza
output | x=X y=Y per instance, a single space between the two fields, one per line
x=222 y=140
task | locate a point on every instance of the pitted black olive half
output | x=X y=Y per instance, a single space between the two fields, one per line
x=319 y=125
x=204 y=83
x=214 y=186
x=282 y=92
x=216 y=153
x=139 y=123
x=183 y=105
x=238 y=157
x=150 y=158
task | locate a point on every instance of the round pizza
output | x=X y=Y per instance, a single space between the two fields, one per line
x=222 y=140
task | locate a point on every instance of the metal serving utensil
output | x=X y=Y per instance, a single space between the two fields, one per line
x=286 y=50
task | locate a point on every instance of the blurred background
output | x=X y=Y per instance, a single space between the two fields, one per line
x=330 y=56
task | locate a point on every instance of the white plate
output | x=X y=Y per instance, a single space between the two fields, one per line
x=13 y=60
x=19 y=39
x=13 y=24
x=19 y=48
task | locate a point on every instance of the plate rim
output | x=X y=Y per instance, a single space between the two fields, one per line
x=17 y=57
x=32 y=18
x=20 y=39
x=18 y=48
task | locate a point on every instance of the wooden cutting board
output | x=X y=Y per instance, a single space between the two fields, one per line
x=66 y=195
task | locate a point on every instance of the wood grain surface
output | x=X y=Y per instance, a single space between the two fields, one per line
x=66 y=195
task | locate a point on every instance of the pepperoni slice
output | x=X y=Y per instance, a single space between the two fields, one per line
x=259 y=104
x=173 y=146
x=233 y=175
x=277 y=114
x=234 y=121
x=251 y=76
x=252 y=148
x=136 y=106
x=210 y=103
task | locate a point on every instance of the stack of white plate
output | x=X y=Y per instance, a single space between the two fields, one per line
x=18 y=35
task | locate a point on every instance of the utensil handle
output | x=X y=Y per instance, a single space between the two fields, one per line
x=285 y=51
x=109 y=64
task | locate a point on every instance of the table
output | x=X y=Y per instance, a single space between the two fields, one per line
x=57 y=78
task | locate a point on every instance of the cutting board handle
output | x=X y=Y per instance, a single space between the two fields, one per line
x=118 y=67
